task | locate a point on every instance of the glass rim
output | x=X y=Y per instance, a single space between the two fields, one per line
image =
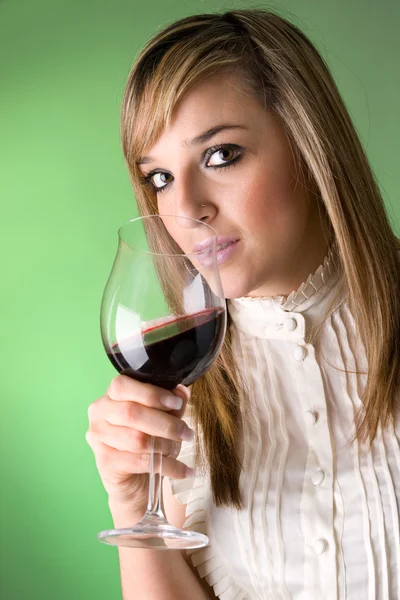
x=141 y=218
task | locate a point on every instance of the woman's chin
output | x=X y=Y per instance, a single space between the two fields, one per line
x=235 y=289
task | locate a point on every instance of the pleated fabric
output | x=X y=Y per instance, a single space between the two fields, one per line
x=321 y=516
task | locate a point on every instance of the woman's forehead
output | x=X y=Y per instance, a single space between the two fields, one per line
x=218 y=102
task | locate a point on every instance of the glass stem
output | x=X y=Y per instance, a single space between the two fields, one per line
x=155 y=484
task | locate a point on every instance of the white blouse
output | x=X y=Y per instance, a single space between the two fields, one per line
x=321 y=516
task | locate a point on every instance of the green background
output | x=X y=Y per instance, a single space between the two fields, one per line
x=64 y=191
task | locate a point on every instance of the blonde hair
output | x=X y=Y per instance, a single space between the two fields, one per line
x=287 y=71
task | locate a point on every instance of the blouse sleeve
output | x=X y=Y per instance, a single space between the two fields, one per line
x=208 y=560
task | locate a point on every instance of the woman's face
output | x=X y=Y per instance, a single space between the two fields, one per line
x=240 y=179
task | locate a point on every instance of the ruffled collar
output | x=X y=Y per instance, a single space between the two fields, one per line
x=312 y=298
x=296 y=300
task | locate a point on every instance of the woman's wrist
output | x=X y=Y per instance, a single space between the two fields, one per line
x=124 y=514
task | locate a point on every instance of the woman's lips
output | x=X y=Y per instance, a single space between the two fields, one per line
x=223 y=253
x=221 y=240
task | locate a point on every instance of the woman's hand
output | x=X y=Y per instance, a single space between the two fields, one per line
x=121 y=424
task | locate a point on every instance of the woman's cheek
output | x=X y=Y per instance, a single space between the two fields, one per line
x=277 y=189
x=266 y=204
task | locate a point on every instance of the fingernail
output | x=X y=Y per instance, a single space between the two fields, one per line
x=187 y=434
x=171 y=401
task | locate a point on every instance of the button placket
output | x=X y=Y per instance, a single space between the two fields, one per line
x=317 y=501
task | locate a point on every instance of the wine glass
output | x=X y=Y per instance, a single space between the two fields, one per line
x=163 y=321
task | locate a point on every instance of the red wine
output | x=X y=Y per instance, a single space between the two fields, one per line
x=173 y=352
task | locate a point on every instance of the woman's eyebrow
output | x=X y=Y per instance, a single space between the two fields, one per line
x=200 y=139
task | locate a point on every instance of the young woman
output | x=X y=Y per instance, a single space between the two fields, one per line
x=234 y=119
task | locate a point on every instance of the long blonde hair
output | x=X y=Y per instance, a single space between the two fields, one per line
x=293 y=80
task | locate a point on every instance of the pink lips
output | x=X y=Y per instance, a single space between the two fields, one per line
x=220 y=242
x=225 y=247
x=225 y=253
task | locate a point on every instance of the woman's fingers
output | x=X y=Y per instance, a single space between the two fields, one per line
x=124 y=388
x=111 y=461
x=121 y=424
x=150 y=421
x=131 y=440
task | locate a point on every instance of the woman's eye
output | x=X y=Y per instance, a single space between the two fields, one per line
x=216 y=158
x=221 y=156
x=161 y=179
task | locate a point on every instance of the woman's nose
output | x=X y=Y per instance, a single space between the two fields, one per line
x=193 y=200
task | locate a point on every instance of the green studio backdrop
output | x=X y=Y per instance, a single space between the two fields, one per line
x=64 y=191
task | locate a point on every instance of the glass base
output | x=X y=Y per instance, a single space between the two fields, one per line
x=154 y=534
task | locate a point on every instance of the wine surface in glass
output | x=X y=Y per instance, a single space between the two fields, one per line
x=177 y=351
